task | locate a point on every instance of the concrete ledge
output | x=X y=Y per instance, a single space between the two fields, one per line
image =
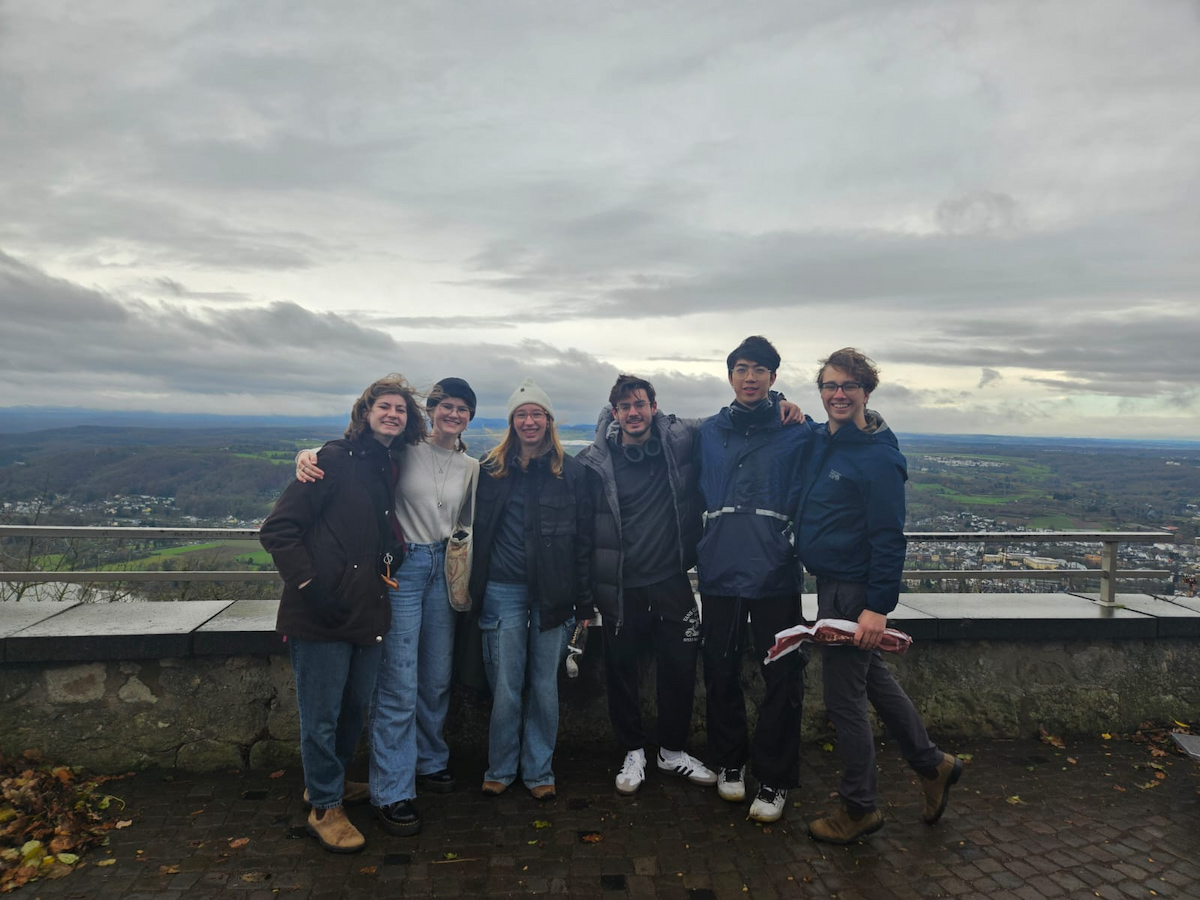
x=61 y=632
x=94 y=632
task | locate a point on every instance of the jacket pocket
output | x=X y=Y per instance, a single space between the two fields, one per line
x=557 y=514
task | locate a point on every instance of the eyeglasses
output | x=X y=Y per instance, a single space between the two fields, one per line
x=452 y=408
x=640 y=406
x=848 y=387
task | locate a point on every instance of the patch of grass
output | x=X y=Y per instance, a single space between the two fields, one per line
x=1053 y=523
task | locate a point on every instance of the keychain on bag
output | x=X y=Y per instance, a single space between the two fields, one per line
x=575 y=648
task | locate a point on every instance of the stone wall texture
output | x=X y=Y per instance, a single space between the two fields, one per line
x=206 y=714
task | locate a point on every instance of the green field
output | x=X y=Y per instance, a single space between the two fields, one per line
x=941 y=491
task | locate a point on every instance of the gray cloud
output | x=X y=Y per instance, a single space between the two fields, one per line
x=988 y=376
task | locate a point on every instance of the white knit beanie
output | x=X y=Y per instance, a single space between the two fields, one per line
x=529 y=392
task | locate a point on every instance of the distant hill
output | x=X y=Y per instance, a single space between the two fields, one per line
x=23 y=419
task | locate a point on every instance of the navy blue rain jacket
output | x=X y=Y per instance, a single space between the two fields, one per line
x=750 y=479
x=850 y=524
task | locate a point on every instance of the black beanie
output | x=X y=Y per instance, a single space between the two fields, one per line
x=452 y=387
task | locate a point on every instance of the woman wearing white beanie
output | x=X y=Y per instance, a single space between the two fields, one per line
x=531 y=582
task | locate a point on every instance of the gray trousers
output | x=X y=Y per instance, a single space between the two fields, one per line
x=852 y=677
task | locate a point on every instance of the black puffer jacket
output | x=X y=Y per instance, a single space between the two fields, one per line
x=558 y=537
x=333 y=531
x=678 y=438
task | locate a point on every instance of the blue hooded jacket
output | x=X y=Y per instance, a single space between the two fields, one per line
x=850 y=524
x=750 y=479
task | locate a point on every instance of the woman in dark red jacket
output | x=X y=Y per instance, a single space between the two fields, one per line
x=328 y=540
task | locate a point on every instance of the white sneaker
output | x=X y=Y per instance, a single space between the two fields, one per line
x=683 y=764
x=633 y=772
x=731 y=784
x=768 y=805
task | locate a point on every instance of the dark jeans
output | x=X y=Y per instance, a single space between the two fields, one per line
x=852 y=677
x=675 y=646
x=776 y=750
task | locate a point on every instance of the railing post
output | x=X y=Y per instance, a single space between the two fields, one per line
x=1108 y=573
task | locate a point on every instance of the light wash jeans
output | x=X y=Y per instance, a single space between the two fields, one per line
x=521 y=662
x=412 y=695
x=334 y=681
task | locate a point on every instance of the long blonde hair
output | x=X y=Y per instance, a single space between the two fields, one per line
x=496 y=461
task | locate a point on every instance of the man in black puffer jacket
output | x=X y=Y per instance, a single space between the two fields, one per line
x=643 y=481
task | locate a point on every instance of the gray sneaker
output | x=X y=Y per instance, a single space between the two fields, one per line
x=731 y=784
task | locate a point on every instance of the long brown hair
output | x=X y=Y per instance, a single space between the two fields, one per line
x=496 y=461
x=395 y=383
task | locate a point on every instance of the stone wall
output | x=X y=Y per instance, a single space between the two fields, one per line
x=209 y=713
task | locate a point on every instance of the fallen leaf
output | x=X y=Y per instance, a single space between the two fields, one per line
x=1072 y=760
x=449 y=856
x=1117 y=787
x=278 y=773
x=69 y=858
x=1015 y=800
x=198 y=812
x=1183 y=725
x=531 y=843
x=254 y=877
x=107 y=862
x=1051 y=739
x=542 y=823
x=965 y=757
x=1155 y=751
x=238 y=842
x=368 y=870
x=1106 y=736
x=123 y=823
x=1161 y=776
x=827 y=747
x=593 y=837
x=168 y=870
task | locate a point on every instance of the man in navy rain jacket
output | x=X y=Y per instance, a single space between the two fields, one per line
x=850 y=529
x=749 y=476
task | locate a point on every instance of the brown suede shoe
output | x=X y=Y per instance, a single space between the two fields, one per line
x=543 y=792
x=839 y=827
x=494 y=788
x=336 y=833
x=352 y=792
x=937 y=789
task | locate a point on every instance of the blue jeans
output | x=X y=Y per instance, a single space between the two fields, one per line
x=521 y=662
x=412 y=695
x=334 y=681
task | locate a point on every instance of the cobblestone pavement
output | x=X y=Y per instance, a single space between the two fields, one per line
x=1026 y=821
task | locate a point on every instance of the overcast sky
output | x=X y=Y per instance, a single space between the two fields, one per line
x=262 y=207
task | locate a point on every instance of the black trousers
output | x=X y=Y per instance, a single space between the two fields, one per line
x=775 y=755
x=852 y=677
x=675 y=645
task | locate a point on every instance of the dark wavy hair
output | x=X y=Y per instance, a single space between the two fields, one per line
x=626 y=385
x=395 y=383
x=860 y=366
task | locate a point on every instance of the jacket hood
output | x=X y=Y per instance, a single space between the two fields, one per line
x=876 y=432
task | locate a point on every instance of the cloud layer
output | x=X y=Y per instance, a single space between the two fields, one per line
x=261 y=208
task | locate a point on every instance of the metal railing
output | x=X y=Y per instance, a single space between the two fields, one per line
x=1107 y=573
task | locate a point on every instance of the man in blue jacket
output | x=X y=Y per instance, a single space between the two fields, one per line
x=749 y=476
x=851 y=537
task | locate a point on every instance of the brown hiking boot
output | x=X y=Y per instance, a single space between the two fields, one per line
x=543 y=792
x=494 y=788
x=352 y=792
x=840 y=827
x=937 y=789
x=336 y=833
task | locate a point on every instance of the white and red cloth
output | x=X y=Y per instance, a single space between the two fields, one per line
x=832 y=631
